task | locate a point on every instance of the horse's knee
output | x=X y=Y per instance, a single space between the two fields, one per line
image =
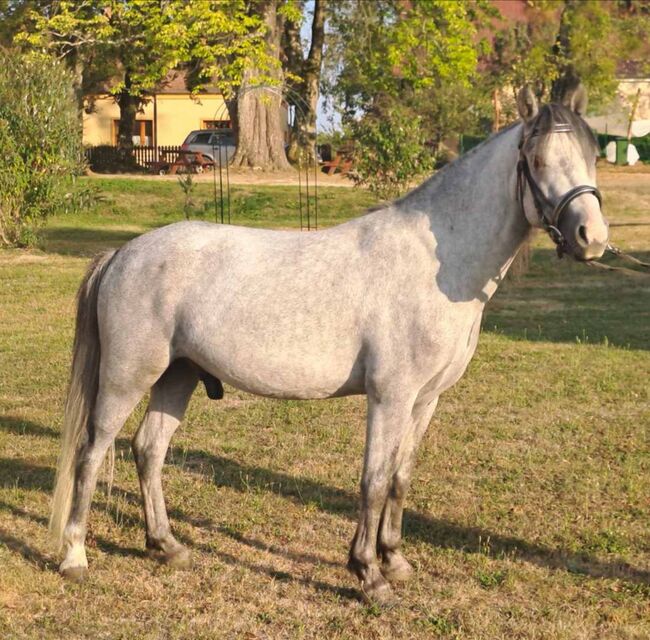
x=400 y=486
x=139 y=446
x=375 y=488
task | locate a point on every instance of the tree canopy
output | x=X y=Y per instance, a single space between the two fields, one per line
x=131 y=46
x=402 y=74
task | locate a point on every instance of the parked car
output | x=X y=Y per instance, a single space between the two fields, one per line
x=209 y=141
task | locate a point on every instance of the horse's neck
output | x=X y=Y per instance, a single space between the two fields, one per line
x=474 y=216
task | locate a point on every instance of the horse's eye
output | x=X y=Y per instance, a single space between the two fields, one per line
x=537 y=162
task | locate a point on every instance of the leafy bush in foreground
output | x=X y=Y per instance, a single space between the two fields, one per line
x=40 y=144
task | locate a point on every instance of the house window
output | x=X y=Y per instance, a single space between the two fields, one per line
x=142 y=134
x=215 y=124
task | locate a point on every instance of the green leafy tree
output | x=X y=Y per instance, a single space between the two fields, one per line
x=633 y=20
x=41 y=144
x=402 y=72
x=390 y=151
x=585 y=28
x=13 y=16
x=563 y=41
x=133 y=45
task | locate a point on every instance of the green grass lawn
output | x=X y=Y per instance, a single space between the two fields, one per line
x=528 y=516
x=129 y=207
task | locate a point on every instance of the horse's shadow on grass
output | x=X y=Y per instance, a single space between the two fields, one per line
x=418 y=527
x=226 y=472
x=82 y=241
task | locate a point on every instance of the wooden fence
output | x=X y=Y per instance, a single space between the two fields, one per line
x=107 y=157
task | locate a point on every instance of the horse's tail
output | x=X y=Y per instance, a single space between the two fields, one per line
x=82 y=391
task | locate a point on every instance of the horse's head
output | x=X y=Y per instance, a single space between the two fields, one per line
x=557 y=174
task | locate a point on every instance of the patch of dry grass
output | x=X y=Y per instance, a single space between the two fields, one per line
x=528 y=516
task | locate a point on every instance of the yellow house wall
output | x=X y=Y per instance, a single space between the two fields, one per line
x=98 y=125
x=177 y=115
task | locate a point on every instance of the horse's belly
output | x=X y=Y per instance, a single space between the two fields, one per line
x=267 y=367
x=281 y=380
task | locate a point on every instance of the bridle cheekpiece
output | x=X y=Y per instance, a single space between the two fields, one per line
x=550 y=223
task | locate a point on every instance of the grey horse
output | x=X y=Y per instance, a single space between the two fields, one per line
x=395 y=315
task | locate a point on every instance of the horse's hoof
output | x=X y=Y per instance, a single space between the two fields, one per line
x=379 y=594
x=178 y=559
x=398 y=569
x=74 y=574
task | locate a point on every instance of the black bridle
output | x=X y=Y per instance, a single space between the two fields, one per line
x=550 y=223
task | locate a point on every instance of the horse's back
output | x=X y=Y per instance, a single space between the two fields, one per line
x=269 y=311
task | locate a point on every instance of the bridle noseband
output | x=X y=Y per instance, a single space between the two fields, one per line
x=551 y=223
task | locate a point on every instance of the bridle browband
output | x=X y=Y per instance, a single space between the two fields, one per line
x=550 y=224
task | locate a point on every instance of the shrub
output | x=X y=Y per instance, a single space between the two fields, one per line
x=390 y=151
x=40 y=144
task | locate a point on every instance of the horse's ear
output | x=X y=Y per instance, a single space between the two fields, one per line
x=576 y=99
x=527 y=103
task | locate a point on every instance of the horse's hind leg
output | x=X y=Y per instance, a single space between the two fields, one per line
x=394 y=566
x=112 y=408
x=169 y=399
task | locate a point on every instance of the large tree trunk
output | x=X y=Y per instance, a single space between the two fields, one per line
x=567 y=79
x=128 y=105
x=78 y=68
x=261 y=133
x=231 y=106
x=303 y=134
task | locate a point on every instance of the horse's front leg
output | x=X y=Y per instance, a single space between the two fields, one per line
x=387 y=422
x=394 y=565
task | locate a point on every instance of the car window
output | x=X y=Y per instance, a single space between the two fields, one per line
x=223 y=139
x=201 y=138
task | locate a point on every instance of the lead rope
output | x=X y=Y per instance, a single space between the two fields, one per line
x=609 y=267
x=625 y=256
x=621 y=254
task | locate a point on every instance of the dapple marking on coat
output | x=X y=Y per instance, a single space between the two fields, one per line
x=396 y=316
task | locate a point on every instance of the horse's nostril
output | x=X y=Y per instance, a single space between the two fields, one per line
x=582 y=232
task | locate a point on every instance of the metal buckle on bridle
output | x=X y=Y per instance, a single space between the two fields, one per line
x=555 y=234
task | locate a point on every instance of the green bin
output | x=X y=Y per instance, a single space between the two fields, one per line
x=621 y=151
